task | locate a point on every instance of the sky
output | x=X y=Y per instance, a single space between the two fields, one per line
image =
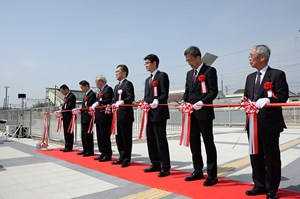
x=53 y=42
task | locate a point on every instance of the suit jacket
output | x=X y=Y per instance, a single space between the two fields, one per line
x=71 y=103
x=91 y=99
x=125 y=112
x=161 y=112
x=100 y=116
x=193 y=93
x=270 y=118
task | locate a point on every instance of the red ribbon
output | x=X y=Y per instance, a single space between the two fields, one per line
x=59 y=122
x=145 y=108
x=92 y=113
x=45 y=140
x=251 y=120
x=71 y=127
x=186 y=110
x=114 y=123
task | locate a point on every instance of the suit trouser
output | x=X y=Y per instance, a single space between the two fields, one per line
x=266 y=165
x=205 y=128
x=124 y=140
x=157 y=143
x=87 y=139
x=103 y=138
x=69 y=137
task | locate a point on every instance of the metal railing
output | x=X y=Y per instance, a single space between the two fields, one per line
x=33 y=119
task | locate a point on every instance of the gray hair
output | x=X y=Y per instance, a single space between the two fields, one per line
x=193 y=50
x=102 y=78
x=263 y=49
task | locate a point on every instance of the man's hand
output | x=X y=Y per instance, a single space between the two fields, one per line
x=94 y=105
x=198 y=105
x=118 y=103
x=260 y=103
x=154 y=104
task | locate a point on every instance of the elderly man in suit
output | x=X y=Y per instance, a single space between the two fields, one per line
x=266 y=85
x=87 y=137
x=157 y=143
x=103 y=120
x=124 y=94
x=69 y=104
x=201 y=87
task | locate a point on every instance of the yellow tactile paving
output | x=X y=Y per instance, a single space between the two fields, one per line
x=151 y=194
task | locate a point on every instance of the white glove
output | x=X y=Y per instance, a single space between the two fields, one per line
x=118 y=103
x=94 y=105
x=154 y=104
x=197 y=106
x=76 y=111
x=260 y=103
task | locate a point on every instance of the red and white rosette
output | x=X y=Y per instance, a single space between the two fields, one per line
x=252 y=111
x=100 y=96
x=85 y=101
x=186 y=109
x=268 y=87
x=92 y=113
x=114 y=122
x=120 y=94
x=65 y=103
x=145 y=108
x=202 y=79
x=59 y=121
x=155 y=84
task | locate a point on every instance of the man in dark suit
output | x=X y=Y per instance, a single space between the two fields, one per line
x=266 y=165
x=103 y=120
x=199 y=93
x=87 y=137
x=124 y=94
x=69 y=104
x=157 y=142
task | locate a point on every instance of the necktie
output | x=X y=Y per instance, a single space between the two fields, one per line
x=150 y=80
x=194 y=76
x=257 y=83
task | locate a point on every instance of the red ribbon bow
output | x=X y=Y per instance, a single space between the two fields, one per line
x=155 y=83
x=65 y=101
x=145 y=108
x=86 y=99
x=186 y=110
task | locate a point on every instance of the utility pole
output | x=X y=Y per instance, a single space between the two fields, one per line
x=6 y=99
x=55 y=95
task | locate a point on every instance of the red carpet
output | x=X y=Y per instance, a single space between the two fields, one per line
x=174 y=183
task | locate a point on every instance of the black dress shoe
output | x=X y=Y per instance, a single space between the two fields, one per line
x=105 y=159
x=88 y=154
x=153 y=168
x=97 y=158
x=164 y=173
x=271 y=195
x=125 y=164
x=81 y=153
x=195 y=176
x=117 y=162
x=67 y=150
x=255 y=191
x=61 y=149
x=210 y=181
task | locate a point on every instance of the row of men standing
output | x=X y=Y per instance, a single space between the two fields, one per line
x=201 y=118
